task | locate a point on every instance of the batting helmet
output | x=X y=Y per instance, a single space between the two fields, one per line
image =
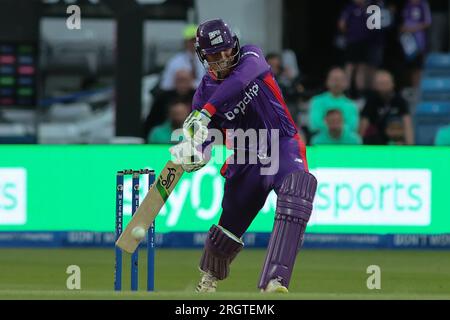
x=214 y=36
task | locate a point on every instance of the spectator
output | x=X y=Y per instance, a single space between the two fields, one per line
x=335 y=133
x=178 y=111
x=290 y=63
x=443 y=136
x=377 y=38
x=384 y=109
x=285 y=76
x=186 y=59
x=416 y=20
x=334 y=98
x=282 y=77
x=184 y=89
x=395 y=131
x=353 y=24
x=290 y=88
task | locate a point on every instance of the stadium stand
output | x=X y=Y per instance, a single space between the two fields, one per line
x=433 y=110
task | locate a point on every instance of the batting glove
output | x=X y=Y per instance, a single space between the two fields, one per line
x=195 y=127
x=186 y=154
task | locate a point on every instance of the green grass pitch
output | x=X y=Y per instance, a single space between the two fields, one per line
x=319 y=274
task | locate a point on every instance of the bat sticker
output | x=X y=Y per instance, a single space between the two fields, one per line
x=169 y=179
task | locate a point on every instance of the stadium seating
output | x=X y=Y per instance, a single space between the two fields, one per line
x=429 y=117
x=433 y=110
x=437 y=64
x=435 y=89
x=16 y=134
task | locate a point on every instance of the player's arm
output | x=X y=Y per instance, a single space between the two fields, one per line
x=193 y=153
x=252 y=65
x=195 y=127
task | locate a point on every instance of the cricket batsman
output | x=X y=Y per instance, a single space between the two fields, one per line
x=239 y=92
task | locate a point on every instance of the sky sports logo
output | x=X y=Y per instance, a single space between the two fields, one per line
x=13 y=186
x=372 y=197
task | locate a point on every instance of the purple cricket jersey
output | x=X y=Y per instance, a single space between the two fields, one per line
x=355 y=18
x=249 y=98
x=414 y=14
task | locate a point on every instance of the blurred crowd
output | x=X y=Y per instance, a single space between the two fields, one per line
x=360 y=101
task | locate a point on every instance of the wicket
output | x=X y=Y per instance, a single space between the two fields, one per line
x=119 y=228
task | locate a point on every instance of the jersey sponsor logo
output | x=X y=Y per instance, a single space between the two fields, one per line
x=251 y=93
x=215 y=37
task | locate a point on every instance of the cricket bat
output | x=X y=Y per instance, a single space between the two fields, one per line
x=151 y=205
